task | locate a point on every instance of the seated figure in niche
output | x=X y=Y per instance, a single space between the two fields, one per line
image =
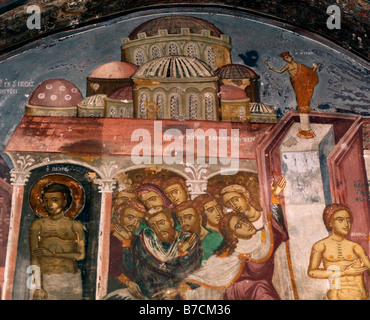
x=338 y=259
x=57 y=242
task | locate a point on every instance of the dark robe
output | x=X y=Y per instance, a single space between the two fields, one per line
x=153 y=275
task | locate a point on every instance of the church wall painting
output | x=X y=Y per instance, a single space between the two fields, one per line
x=179 y=203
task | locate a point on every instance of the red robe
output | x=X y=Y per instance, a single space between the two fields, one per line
x=255 y=282
x=303 y=84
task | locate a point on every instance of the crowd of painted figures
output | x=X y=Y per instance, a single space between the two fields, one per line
x=165 y=245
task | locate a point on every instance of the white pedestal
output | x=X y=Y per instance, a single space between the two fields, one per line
x=304 y=166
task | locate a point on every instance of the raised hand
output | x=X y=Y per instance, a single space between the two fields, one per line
x=186 y=245
x=135 y=290
x=279 y=186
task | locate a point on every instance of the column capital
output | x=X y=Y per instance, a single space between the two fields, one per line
x=106 y=185
x=19 y=177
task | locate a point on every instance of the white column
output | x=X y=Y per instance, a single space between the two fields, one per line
x=18 y=180
x=106 y=189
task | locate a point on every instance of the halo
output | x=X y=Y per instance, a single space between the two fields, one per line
x=77 y=193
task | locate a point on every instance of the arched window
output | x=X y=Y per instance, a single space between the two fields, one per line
x=160 y=104
x=209 y=106
x=112 y=112
x=155 y=52
x=174 y=107
x=242 y=114
x=82 y=113
x=139 y=57
x=193 y=107
x=143 y=106
x=173 y=49
x=211 y=58
x=122 y=113
x=191 y=51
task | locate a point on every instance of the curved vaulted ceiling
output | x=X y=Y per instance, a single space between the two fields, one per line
x=310 y=15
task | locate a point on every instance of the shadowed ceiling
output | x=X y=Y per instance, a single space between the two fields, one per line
x=309 y=15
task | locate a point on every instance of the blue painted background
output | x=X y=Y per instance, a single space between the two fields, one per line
x=344 y=79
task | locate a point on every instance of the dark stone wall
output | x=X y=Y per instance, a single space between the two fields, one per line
x=309 y=15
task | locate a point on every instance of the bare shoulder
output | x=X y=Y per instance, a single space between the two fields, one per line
x=320 y=245
x=357 y=248
x=77 y=225
x=36 y=224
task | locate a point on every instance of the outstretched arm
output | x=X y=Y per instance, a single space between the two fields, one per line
x=279 y=71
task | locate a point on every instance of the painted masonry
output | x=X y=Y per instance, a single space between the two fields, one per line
x=175 y=175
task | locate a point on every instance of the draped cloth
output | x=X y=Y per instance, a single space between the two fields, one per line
x=303 y=83
x=240 y=276
x=155 y=265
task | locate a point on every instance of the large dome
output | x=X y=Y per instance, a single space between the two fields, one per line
x=55 y=93
x=173 y=25
x=236 y=72
x=175 y=67
x=114 y=70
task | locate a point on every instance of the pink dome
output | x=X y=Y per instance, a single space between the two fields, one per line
x=230 y=92
x=58 y=93
x=114 y=70
x=121 y=93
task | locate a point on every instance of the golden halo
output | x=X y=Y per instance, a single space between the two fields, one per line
x=77 y=193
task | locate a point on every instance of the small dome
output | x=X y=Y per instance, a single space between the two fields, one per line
x=173 y=25
x=257 y=107
x=114 y=70
x=95 y=101
x=174 y=67
x=57 y=93
x=230 y=92
x=121 y=93
x=236 y=72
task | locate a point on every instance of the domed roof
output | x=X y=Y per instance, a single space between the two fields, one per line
x=174 y=67
x=114 y=70
x=257 y=107
x=95 y=101
x=121 y=93
x=230 y=92
x=173 y=25
x=236 y=71
x=55 y=93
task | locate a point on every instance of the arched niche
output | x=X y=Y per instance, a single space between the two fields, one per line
x=89 y=217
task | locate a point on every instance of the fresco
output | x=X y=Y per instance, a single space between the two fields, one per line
x=173 y=154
